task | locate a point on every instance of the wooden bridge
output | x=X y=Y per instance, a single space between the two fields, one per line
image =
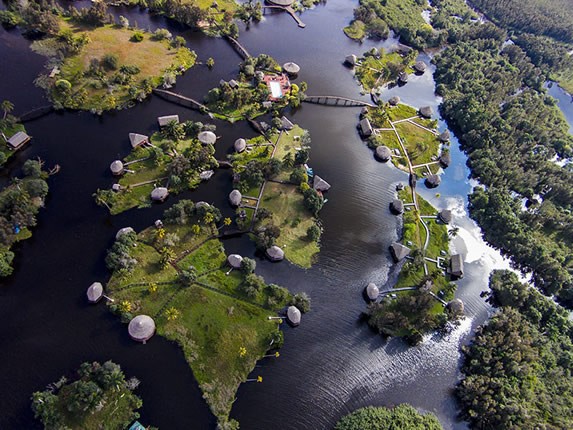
x=36 y=113
x=180 y=100
x=238 y=47
x=287 y=9
x=336 y=101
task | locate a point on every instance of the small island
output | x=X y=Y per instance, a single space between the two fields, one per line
x=174 y=159
x=402 y=416
x=279 y=196
x=101 y=394
x=12 y=132
x=176 y=278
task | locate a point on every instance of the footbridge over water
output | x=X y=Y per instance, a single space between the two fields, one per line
x=336 y=101
x=180 y=100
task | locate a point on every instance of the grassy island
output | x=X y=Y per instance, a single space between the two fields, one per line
x=173 y=158
x=376 y=68
x=277 y=201
x=178 y=274
x=380 y=418
x=259 y=88
x=19 y=205
x=101 y=397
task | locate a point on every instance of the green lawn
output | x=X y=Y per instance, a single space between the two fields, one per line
x=421 y=144
x=375 y=72
x=401 y=111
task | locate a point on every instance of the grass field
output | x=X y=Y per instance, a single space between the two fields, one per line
x=375 y=72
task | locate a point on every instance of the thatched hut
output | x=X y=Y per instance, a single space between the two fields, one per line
x=372 y=291
x=383 y=153
x=233 y=84
x=365 y=127
x=164 y=120
x=412 y=179
x=293 y=316
x=393 y=101
x=291 y=68
x=275 y=253
x=397 y=207
x=320 y=184
x=235 y=261
x=240 y=145
x=137 y=139
x=445 y=216
x=141 y=328
x=444 y=136
x=116 y=188
x=457 y=266
x=95 y=292
x=202 y=204
x=159 y=194
x=399 y=251
x=18 y=140
x=426 y=111
x=420 y=67
x=286 y=124
x=445 y=159
x=116 y=168
x=456 y=306
x=235 y=198
x=351 y=60
x=122 y=231
x=403 y=77
x=207 y=138
x=432 y=181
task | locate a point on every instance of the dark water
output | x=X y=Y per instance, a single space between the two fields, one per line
x=332 y=363
x=565 y=103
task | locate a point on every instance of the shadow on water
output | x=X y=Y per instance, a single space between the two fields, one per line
x=332 y=363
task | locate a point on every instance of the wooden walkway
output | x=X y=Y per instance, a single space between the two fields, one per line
x=238 y=47
x=289 y=10
x=36 y=113
x=336 y=101
x=180 y=100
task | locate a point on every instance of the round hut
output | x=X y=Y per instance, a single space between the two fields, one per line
x=397 y=207
x=141 y=328
x=363 y=112
x=372 y=291
x=159 y=194
x=207 y=138
x=383 y=153
x=293 y=316
x=394 y=100
x=403 y=78
x=116 y=168
x=235 y=198
x=351 y=60
x=291 y=68
x=240 y=145
x=426 y=111
x=95 y=292
x=420 y=67
x=445 y=216
x=116 y=188
x=445 y=159
x=432 y=181
x=320 y=184
x=123 y=231
x=275 y=253
x=445 y=136
x=235 y=261
x=456 y=306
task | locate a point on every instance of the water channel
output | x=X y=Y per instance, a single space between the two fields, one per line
x=332 y=363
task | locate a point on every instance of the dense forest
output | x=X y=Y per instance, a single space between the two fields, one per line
x=403 y=417
x=517 y=371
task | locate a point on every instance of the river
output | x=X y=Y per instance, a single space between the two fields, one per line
x=332 y=363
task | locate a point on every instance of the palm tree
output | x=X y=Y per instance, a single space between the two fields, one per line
x=453 y=232
x=7 y=107
x=100 y=197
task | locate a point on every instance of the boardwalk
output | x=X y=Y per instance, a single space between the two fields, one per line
x=336 y=101
x=180 y=100
x=238 y=47
x=289 y=10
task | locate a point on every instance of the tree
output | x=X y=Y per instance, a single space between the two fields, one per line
x=174 y=131
x=102 y=197
x=248 y=265
x=45 y=407
x=301 y=156
x=380 y=418
x=302 y=302
x=84 y=396
x=7 y=107
x=313 y=201
x=210 y=62
x=313 y=233
x=172 y=314
x=453 y=232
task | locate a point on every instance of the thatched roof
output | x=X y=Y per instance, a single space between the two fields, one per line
x=351 y=60
x=116 y=187
x=141 y=328
x=293 y=315
x=240 y=145
x=426 y=111
x=420 y=67
x=291 y=68
x=235 y=261
x=383 y=153
x=286 y=124
x=207 y=138
x=202 y=205
x=412 y=180
x=457 y=266
x=372 y=291
x=399 y=251
x=432 y=181
x=403 y=77
x=95 y=292
x=365 y=127
x=159 y=194
x=116 y=167
x=444 y=136
x=235 y=197
x=137 y=139
x=320 y=184
x=124 y=230
x=206 y=175
x=445 y=216
x=275 y=253
x=457 y=306
x=445 y=159
x=394 y=100
x=164 y=120
x=233 y=84
x=18 y=139
x=397 y=207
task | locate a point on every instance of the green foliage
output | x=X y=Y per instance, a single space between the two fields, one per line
x=403 y=417
x=137 y=36
x=9 y=19
x=6 y=258
x=119 y=257
x=313 y=201
x=313 y=233
x=302 y=302
x=110 y=62
x=248 y=265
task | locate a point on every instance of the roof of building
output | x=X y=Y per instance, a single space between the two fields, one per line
x=397 y=206
x=94 y=292
x=445 y=216
x=235 y=261
x=235 y=197
x=403 y=77
x=137 y=139
x=420 y=67
x=240 y=145
x=365 y=127
x=383 y=153
x=426 y=111
x=124 y=230
x=320 y=184
x=399 y=251
x=159 y=194
x=457 y=265
x=432 y=181
x=141 y=328
x=456 y=305
x=293 y=315
x=286 y=123
x=275 y=253
x=206 y=175
x=444 y=136
x=351 y=59
x=372 y=291
x=207 y=138
x=164 y=120
x=18 y=139
x=394 y=100
x=116 y=167
x=445 y=159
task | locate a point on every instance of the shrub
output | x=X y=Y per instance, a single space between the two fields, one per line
x=301 y=301
x=313 y=233
x=162 y=34
x=137 y=36
x=110 y=62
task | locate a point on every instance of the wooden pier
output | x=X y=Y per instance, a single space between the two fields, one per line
x=238 y=47
x=180 y=100
x=336 y=101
